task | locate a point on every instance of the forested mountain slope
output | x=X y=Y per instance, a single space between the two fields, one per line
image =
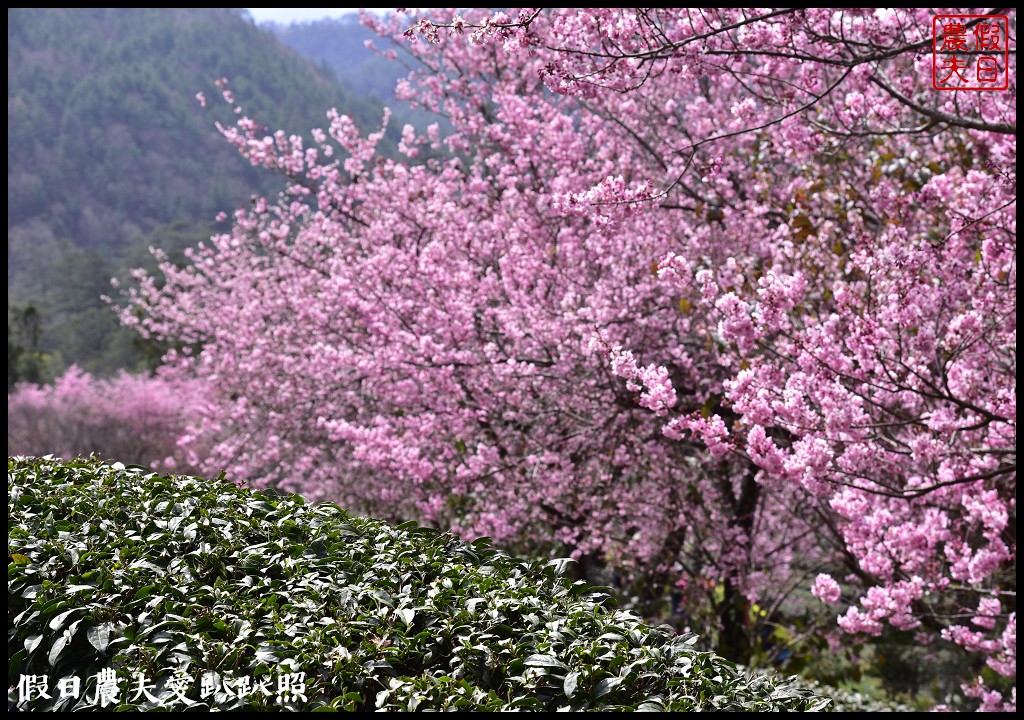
x=109 y=152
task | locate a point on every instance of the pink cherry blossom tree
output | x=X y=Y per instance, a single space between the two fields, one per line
x=128 y=418
x=872 y=326
x=700 y=295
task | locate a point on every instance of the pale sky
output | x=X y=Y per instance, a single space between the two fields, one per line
x=290 y=15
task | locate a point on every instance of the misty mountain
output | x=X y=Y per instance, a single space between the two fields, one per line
x=109 y=152
x=340 y=45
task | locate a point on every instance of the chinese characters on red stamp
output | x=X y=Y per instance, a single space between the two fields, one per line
x=970 y=52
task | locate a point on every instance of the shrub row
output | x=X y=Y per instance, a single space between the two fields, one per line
x=184 y=593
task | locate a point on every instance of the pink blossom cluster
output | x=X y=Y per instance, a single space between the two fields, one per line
x=826 y=589
x=652 y=382
x=129 y=418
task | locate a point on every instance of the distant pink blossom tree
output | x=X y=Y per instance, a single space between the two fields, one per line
x=133 y=419
x=714 y=295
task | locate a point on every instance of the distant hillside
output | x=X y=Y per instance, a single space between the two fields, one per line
x=108 y=152
x=340 y=44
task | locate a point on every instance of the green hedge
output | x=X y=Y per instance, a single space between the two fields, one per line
x=183 y=593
